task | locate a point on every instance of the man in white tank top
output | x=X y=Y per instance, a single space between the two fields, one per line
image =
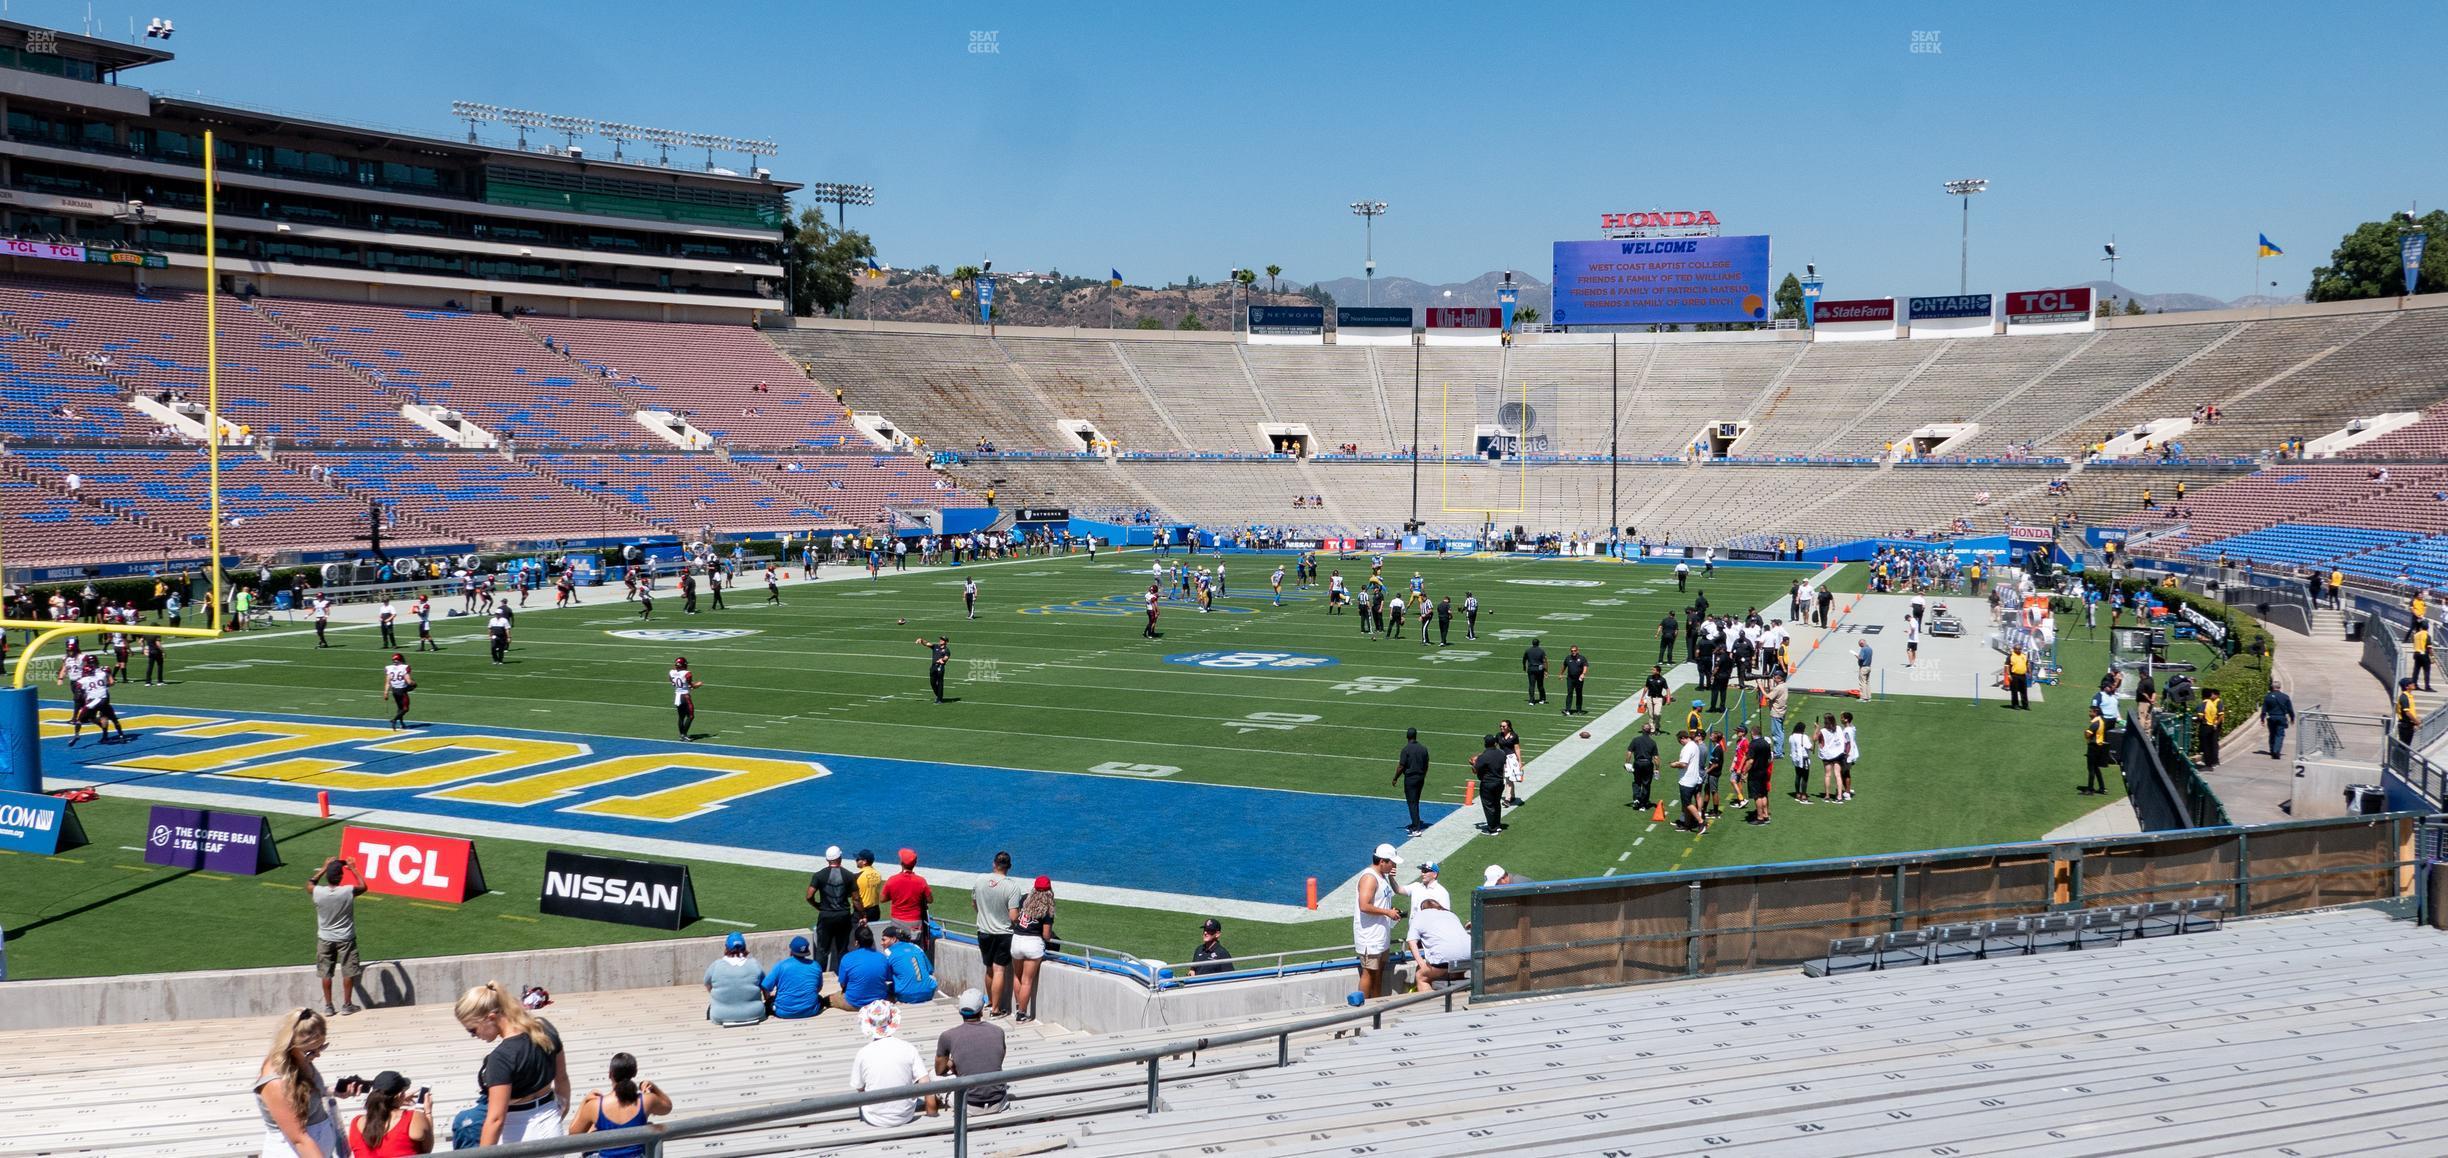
x=1373 y=918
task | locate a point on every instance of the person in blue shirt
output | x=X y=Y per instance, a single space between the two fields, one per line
x=731 y=985
x=866 y=976
x=912 y=978
x=795 y=984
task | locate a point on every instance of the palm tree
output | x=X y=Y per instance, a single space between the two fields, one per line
x=966 y=275
x=1247 y=278
x=1527 y=315
x=1273 y=272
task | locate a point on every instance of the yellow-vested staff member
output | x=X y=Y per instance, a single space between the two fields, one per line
x=2407 y=718
x=2095 y=752
x=2213 y=718
x=2422 y=649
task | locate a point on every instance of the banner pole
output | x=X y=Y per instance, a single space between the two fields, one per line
x=212 y=386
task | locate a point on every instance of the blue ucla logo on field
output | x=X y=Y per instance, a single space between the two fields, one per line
x=682 y=634
x=1253 y=660
x=1116 y=605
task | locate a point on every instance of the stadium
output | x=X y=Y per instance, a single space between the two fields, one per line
x=365 y=491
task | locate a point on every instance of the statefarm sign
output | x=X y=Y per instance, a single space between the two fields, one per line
x=1660 y=219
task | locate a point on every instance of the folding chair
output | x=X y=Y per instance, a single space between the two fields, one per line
x=1905 y=947
x=1956 y=942
x=1845 y=955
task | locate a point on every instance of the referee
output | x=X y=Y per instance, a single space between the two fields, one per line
x=939 y=656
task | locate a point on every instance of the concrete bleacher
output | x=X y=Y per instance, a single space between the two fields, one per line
x=1969 y=375
x=1205 y=389
x=1827 y=389
x=2105 y=368
x=1087 y=381
x=1333 y=390
x=708 y=373
x=116 y=1090
x=950 y=390
x=2304 y=1035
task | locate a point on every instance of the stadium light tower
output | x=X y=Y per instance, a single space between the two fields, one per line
x=2111 y=259
x=1369 y=212
x=840 y=195
x=1965 y=188
x=474 y=114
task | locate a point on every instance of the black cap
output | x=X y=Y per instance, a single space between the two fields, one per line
x=1211 y=925
x=1411 y=733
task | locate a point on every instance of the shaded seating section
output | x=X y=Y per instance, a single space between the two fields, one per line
x=263 y=507
x=271 y=383
x=2300 y=544
x=2423 y=561
x=708 y=374
x=481 y=365
x=469 y=493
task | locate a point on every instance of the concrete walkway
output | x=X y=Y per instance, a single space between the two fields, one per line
x=2319 y=672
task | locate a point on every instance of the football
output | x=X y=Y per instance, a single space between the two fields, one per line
x=901 y=621
x=1585 y=734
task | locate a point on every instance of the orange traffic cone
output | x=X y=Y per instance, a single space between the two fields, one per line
x=1470 y=793
x=1657 y=815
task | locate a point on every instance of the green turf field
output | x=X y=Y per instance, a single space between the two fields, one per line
x=1053 y=676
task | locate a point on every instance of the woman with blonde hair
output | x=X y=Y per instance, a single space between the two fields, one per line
x=525 y=1080
x=290 y=1094
x=1032 y=936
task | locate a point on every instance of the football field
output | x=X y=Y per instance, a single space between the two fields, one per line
x=1213 y=771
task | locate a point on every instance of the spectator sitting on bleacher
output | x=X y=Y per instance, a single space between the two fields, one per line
x=394 y=1123
x=910 y=976
x=629 y=1104
x=794 y=987
x=974 y=1047
x=884 y=1063
x=1440 y=943
x=289 y=1090
x=731 y=982
x=866 y=977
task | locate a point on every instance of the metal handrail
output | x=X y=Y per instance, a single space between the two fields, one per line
x=653 y=1136
x=1161 y=975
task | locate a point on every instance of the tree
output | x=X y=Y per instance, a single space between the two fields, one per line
x=822 y=263
x=1190 y=321
x=1527 y=315
x=2133 y=309
x=1274 y=272
x=2366 y=263
x=1147 y=323
x=1789 y=298
x=2099 y=309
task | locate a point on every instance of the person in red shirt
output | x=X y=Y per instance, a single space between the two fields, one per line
x=909 y=898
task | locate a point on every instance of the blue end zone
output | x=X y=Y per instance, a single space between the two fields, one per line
x=1167 y=836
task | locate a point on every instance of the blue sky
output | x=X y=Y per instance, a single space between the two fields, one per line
x=1168 y=140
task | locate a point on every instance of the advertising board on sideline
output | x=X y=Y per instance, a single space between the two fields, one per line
x=2050 y=310
x=237 y=843
x=413 y=864
x=38 y=825
x=645 y=893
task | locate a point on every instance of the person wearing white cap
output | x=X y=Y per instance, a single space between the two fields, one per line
x=885 y=1062
x=1373 y=918
x=1440 y=943
x=833 y=893
x=1495 y=875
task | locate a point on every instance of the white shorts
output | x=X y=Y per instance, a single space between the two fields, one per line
x=325 y=1134
x=542 y=1121
x=1368 y=941
x=1027 y=948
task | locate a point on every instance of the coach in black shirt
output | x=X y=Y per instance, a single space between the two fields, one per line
x=1576 y=670
x=1534 y=665
x=1411 y=769
x=1488 y=768
x=1666 y=639
x=1642 y=757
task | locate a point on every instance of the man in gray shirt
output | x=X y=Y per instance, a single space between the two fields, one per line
x=335 y=905
x=970 y=1048
x=995 y=898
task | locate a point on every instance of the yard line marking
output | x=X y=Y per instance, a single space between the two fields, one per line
x=1636 y=843
x=1608 y=873
x=441 y=908
x=720 y=921
x=1625 y=857
x=514 y=917
x=129 y=848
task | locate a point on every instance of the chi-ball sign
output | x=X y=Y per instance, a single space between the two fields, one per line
x=1661 y=281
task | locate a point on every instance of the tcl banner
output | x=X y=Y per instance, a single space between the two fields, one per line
x=2029 y=307
x=1464 y=318
x=1856 y=310
x=411 y=864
